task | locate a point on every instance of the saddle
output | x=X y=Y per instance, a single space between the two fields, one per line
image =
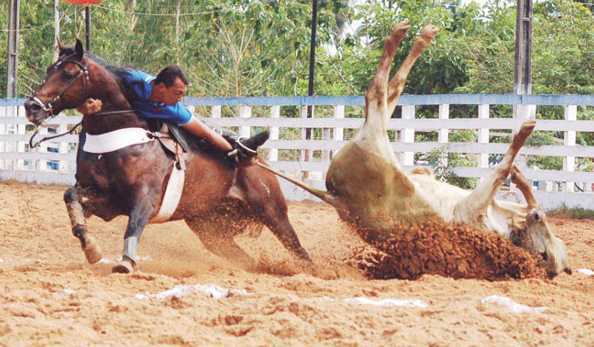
x=178 y=143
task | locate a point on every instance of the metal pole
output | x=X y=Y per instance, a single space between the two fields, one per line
x=519 y=56
x=87 y=28
x=312 y=54
x=523 y=67
x=527 y=21
x=312 y=64
x=13 y=49
x=56 y=27
x=523 y=51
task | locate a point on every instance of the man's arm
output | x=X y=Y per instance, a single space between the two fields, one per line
x=200 y=129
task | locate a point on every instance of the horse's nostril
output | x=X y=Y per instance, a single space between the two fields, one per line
x=32 y=106
x=544 y=256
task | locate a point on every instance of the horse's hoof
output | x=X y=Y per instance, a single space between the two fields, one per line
x=92 y=251
x=310 y=268
x=124 y=267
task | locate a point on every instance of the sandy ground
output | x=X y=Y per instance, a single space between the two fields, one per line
x=183 y=295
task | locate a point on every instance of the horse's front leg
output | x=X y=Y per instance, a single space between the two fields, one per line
x=138 y=219
x=78 y=222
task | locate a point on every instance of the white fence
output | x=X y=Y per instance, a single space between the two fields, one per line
x=307 y=153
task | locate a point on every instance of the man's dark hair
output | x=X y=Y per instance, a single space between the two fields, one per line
x=169 y=74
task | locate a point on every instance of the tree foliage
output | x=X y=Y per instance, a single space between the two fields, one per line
x=261 y=47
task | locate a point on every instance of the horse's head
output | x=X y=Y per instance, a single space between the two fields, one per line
x=65 y=85
x=539 y=238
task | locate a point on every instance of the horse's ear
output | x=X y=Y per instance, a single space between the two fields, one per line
x=78 y=49
x=60 y=46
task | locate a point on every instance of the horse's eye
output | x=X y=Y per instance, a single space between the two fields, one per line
x=67 y=74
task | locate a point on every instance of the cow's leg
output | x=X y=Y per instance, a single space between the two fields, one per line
x=396 y=84
x=473 y=208
x=137 y=220
x=524 y=186
x=79 y=225
x=216 y=235
x=375 y=98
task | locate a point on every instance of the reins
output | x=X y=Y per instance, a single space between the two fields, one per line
x=33 y=144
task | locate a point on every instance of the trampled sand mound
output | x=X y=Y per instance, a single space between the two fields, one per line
x=453 y=250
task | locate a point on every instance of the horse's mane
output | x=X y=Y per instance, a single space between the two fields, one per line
x=117 y=72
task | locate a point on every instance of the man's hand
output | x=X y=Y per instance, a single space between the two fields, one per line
x=90 y=106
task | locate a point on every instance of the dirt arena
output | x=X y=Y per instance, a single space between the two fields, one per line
x=183 y=295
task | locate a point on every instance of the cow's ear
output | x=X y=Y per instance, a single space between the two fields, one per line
x=78 y=49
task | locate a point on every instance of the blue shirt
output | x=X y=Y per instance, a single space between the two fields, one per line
x=140 y=84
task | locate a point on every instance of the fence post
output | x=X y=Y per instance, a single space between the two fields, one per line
x=2 y=132
x=62 y=149
x=21 y=130
x=443 y=134
x=408 y=135
x=326 y=136
x=338 y=134
x=304 y=154
x=569 y=140
x=215 y=111
x=42 y=163
x=274 y=132
x=483 y=135
x=245 y=112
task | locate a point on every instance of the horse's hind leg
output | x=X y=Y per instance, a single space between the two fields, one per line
x=79 y=225
x=264 y=196
x=474 y=206
x=217 y=236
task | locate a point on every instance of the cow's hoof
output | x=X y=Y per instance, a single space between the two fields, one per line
x=428 y=33
x=527 y=127
x=400 y=29
x=92 y=251
x=125 y=266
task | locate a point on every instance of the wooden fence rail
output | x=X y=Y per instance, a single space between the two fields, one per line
x=424 y=124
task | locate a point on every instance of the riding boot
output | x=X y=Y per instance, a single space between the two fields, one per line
x=246 y=148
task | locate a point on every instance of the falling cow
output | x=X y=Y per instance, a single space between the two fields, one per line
x=368 y=187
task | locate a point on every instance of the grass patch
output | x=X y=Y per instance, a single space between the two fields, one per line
x=574 y=213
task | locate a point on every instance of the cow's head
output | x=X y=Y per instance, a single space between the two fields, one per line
x=539 y=238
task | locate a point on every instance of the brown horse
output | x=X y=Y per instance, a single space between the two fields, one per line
x=219 y=199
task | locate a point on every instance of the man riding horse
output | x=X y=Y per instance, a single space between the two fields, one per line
x=160 y=98
x=124 y=167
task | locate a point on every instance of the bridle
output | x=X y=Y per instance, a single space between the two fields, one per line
x=83 y=72
x=49 y=105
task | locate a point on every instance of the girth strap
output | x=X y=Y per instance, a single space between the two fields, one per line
x=172 y=196
x=115 y=140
